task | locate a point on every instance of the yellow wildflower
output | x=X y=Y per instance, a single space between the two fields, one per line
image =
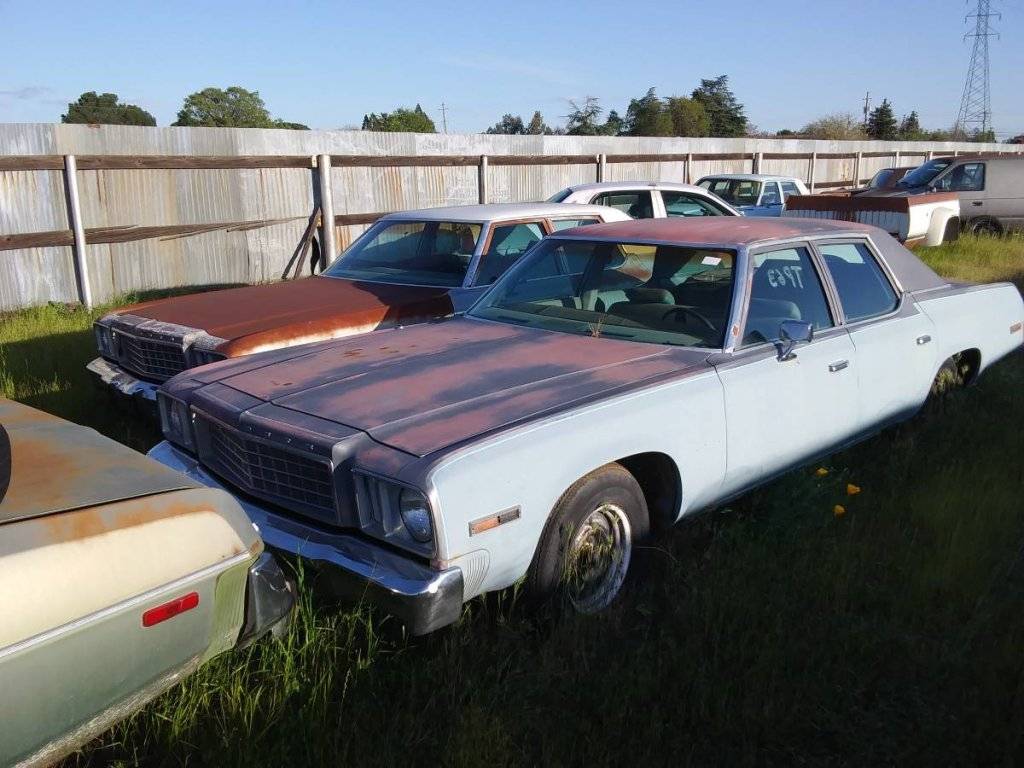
x=821 y=472
x=852 y=490
x=838 y=510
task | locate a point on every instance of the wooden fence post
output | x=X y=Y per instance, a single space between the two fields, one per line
x=328 y=249
x=688 y=176
x=602 y=167
x=78 y=230
x=856 y=168
x=481 y=180
x=811 y=170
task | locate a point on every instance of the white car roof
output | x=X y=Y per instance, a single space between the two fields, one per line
x=620 y=186
x=504 y=211
x=750 y=177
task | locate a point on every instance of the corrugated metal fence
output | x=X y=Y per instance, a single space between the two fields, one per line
x=163 y=207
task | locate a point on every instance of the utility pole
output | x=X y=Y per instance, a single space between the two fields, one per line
x=867 y=106
x=444 y=118
x=975 y=115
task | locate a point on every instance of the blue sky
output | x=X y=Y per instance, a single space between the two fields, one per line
x=325 y=64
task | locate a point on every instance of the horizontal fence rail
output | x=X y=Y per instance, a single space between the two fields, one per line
x=323 y=188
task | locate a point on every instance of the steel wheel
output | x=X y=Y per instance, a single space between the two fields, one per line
x=598 y=558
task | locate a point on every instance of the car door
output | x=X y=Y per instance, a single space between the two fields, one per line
x=968 y=181
x=770 y=202
x=783 y=412
x=891 y=337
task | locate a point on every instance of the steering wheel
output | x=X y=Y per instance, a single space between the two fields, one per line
x=680 y=310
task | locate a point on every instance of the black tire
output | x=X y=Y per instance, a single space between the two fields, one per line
x=577 y=558
x=987 y=227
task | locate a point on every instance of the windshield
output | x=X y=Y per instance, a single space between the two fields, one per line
x=922 y=175
x=559 y=196
x=410 y=252
x=735 y=191
x=659 y=294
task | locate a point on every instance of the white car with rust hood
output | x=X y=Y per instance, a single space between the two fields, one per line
x=619 y=377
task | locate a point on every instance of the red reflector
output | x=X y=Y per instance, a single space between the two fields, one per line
x=170 y=609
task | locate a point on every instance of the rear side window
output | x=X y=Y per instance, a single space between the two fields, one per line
x=785 y=287
x=636 y=204
x=789 y=189
x=559 y=224
x=508 y=243
x=863 y=288
x=682 y=204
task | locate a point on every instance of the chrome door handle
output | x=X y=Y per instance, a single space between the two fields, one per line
x=921 y=340
x=976 y=202
x=838 y=365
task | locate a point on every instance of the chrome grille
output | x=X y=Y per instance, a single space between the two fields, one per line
x=266 y=470
x=158 y=360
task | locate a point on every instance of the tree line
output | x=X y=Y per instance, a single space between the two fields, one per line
x=711 y=109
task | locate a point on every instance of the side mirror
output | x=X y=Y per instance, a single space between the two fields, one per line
x=791 y=333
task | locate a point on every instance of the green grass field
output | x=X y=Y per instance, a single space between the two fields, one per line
x=770 y=632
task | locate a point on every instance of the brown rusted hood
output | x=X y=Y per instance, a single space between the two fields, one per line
x=423 y=388
x=262 y=316
x=50 y=465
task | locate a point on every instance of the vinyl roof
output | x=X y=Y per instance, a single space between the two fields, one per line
x=716 y=230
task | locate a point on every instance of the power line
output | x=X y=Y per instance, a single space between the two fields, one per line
x=975 y=114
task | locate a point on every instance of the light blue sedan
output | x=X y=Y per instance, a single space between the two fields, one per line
x=754 y=194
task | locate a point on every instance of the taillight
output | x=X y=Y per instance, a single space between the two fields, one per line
x=170 y=609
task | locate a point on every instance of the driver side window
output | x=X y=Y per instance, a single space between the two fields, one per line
x=785 y=286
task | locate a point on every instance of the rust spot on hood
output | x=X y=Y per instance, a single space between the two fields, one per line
x=260 y=317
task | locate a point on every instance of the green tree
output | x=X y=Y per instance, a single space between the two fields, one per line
x=104 y=109
x=582 y=118
x=537 y=126
x=882 y=123
x=910 y=128
x=234 y=107
x=402 y=120
x=725 y=113
x=290 y=126
x=647 y=116
x=689 y=118
x=841 y=126
x=614 y=125
x=509 y=124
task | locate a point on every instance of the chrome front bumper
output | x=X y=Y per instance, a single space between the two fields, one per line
x=269 y=600
x=121 y=381
x=422 y=598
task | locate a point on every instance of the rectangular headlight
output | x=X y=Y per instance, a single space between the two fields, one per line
x=104 y=340
x=176 y=421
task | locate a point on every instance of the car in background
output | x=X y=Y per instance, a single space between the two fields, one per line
x=647 y=199
x=754 y=194
x=619 y=377
x=408 y=267
x=119 y=578
x=884 y=179
x=990 y=189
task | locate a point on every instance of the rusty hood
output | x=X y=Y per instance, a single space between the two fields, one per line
x=49 y=465
x=423 y=388
x=258 y=317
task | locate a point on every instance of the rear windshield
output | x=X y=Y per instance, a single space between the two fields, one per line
x=658 y=294
x=559 y=196
x=411 y=252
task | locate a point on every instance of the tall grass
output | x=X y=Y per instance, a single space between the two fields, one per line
x=775 y=631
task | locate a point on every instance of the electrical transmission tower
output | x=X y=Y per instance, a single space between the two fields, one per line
x=975 y=114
